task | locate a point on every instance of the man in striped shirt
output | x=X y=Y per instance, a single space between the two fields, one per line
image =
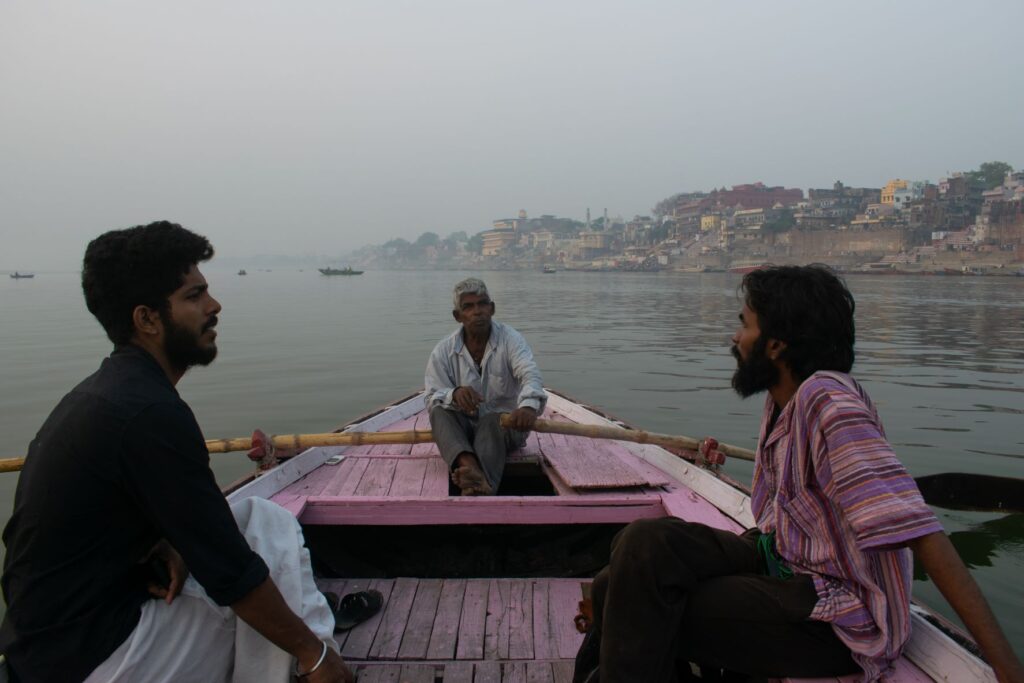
x=821 y=586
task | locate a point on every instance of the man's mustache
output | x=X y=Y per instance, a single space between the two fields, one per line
x=735 y=351
x=210 y=323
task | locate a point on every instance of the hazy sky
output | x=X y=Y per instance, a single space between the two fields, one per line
x=316 y=126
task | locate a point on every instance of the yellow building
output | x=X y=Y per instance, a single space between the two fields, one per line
x=890 y=189
x=711 y=222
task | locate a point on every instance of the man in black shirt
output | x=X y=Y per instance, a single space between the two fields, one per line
x=117 y=504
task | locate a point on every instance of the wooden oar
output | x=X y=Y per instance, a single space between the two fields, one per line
x=633 y=435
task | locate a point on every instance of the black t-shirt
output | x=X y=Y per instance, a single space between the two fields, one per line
x=119 y=464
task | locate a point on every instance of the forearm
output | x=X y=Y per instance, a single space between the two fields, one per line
x=940 y=561
x=266 y=611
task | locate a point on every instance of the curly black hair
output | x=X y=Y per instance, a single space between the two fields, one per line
x=137 y=266
x=810 y=309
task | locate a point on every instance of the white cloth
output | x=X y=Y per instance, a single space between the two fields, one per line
x=508 y=377
x=195 y=640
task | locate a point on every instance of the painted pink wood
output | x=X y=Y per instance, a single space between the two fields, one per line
x=379 y=674
x=377 y=479
x=396 y=616
x=563 y=604
x=423 y=424
x=435 y=479
x=360 y=638
x=471 y=625
x=421 y=620
x=445 y=628
x=293 y=504
x=543 y=643
x=561 y=488
x=539 y=672
x=480 y=510
x=408 y=479
x=515 y=672
x=344 y=483
x=520 y=619
x=417 y=673
x=487 y=672
x=313 y=483
x=496 y=627
x=458 y=672
x=532 y=447
x=562 y=671
x=360 y=451
x=584 y=463
x=685 y=504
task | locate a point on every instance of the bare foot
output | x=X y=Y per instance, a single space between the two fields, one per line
x=471 y=480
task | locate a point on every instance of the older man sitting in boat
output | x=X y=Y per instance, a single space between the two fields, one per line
x=116 y=505
x=481 y=370
x=821 y=586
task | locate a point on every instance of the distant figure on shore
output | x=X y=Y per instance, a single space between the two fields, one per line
x=821 y=586
x=124 y=561
x=482 y=369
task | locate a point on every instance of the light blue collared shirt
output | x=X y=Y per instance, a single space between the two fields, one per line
x=508 y=377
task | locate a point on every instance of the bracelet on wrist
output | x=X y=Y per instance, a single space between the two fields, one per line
x=323 y=656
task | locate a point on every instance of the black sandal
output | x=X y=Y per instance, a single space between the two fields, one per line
x=355 y=608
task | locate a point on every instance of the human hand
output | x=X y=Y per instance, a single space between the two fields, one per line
x=170 y=571
x=522 y=419
x=332 y=670
x=466 y=399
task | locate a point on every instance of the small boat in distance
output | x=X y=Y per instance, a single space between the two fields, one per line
x=342 y=271
x=548 y=268
x=242 y=272
x=22 y=276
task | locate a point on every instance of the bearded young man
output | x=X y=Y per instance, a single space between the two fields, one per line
x=116 y=505
x=821 y=586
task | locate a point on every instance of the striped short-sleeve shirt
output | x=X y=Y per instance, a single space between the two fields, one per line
x=843 y=509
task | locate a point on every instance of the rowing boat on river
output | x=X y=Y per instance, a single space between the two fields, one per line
x=485 y=588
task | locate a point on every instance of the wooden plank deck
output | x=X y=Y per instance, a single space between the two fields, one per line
x=465 y=629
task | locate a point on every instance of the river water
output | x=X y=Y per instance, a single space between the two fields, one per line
x=943 y=358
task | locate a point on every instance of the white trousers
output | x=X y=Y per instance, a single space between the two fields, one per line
x=195 y=640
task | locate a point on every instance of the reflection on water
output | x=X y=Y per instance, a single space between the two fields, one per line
x=942 y=357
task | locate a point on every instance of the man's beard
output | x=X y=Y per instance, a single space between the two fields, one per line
x=755 y=374
x=182 y=345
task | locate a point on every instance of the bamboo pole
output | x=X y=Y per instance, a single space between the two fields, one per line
x=633 y=435
x=303 y=441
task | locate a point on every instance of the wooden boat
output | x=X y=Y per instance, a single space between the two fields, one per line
x=21 y=276
x=341 y=271
x=549 y=268
x=486 y=588
x=242 y=272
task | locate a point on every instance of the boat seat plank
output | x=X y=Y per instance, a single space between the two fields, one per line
x=539 y=672
x=378 y=674
x=396 y=617
x=359 y=640
x=417 y=673
x=408 y=480
x=543 y=640
x=471 y=624
x=496 y=629
x=683 y=503
x=347 y=479
x=423 y=424
x=514 y=672
x=458 y=672
x=563 y=670
x=583 y=465
x=445 y=629
x=421 y=620
x=435 y=479
x=520 y=620
x=377 y=479
x=563 y=604
x=487 y=672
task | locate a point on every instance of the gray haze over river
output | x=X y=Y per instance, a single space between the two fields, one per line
x=943 y=358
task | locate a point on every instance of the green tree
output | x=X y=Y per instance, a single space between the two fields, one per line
x=783 y=223
x=427 y=239
x=476 y=244
x=459 y=236
x=989 y=175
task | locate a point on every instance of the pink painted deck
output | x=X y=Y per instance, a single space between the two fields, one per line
x=491 y=630
x=465 y=629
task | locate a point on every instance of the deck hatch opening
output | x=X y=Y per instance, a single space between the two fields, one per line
x=460 y=551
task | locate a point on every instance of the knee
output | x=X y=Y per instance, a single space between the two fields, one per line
x=643 y=539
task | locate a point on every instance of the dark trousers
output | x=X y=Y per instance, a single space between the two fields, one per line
x=676 y=591
x=455 y=433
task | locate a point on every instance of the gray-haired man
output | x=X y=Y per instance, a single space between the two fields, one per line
x=480 y=370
